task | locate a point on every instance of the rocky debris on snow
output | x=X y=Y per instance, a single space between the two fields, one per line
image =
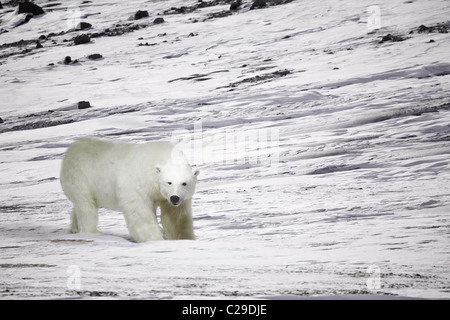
x=438 y=28
x=52 y=118
x=220 y=14
x=235 y=5
x=147 y=44
x=84 y=105
x=87 y=293
x=198 y=77
x=83 y=26
x=33 y=121
x=70 y=240
x=81 y=39
x=1 y=120
x=180 y=10
x=17 y=44
x=21 y=45
x=26 y=11
x=24 y=45
x=38 y=125
x=68 y=60
x=158 y=20
x=95 y=56
x=258 y=4
x=393 y=38
x=140 y=14
x=198 y=5
x=175 y=55
x=118 y=30
x=262 y=78
x=30 y=7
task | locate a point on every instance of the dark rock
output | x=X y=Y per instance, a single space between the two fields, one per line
x=424 y=28
x=68 y=60
x=257 y=4
x=158 y=20
x=140 y=14
x=220 y=14
x=84 y=105
x=180 y=10
x=118 y=30
x=147 y=44
x=38 y=45
x=1 y=120
x=279 y=2
x=29 y=7
x=83 y=26
x=1 y=7
x=95 y=56
x=439 y=28
x=235 y=4
x=199 y=5
x=262 y=78
x=81 y=39
x=390 y=37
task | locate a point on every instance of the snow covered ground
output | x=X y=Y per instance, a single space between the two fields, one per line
x=323 y=146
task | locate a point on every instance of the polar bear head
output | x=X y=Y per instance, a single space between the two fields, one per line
x=176 y=182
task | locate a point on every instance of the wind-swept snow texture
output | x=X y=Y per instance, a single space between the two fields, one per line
x=321 y=128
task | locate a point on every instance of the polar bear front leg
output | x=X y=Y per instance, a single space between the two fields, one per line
x=141 y=221
x=177 y=221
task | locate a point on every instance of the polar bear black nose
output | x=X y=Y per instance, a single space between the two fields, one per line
x=174 y=199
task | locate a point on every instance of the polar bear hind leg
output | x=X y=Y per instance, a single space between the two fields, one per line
x=84 y=217
x=73 y=222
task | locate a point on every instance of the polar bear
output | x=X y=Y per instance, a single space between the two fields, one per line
x=135 y=179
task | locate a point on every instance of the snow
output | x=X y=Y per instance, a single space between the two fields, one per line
x=323 y=152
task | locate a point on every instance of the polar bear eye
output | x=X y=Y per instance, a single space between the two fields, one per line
x=184 y=184
x=169 y=183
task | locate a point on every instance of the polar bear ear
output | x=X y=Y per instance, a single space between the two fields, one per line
x=196 y=172
x=158 y=169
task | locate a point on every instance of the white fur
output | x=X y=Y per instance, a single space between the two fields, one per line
x=133 y=179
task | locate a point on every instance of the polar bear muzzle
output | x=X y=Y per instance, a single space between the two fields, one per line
x=175 y=200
